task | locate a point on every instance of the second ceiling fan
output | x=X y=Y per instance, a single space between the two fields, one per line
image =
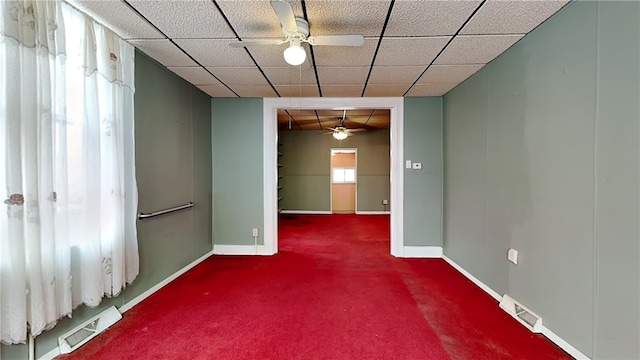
x=296 y=32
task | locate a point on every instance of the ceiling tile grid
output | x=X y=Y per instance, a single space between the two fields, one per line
x=411 y=47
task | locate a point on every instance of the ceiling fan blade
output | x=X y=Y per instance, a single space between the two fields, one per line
x=284 y=11
x=357 y=130
x=336 y=40
x=257 y=42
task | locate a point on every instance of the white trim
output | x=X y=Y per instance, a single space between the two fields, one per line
x=473 y=279
x=138 y=299
x=545 y=331
x=306 y=212
x=577 y=354
x=367 y=212
x=422 y=252
x=396 y=176
x=221 y=249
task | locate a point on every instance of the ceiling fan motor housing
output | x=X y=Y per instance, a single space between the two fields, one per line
x=303 y=28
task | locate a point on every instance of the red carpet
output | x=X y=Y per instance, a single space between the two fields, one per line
x=333 y=292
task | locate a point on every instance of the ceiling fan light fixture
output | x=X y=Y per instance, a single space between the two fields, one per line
x=340 y=135
x=295 y=54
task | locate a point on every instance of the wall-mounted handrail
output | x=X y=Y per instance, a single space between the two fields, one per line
x=142 y=216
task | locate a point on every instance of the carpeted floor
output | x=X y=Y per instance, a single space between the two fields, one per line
x=332 y=292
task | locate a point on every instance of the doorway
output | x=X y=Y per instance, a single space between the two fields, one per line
x=344 y=189
x=270 y=154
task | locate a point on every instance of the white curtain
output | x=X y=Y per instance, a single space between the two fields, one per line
x=67 y=186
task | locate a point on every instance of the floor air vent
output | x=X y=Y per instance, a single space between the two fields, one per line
x=526 y=317
x=88 y=330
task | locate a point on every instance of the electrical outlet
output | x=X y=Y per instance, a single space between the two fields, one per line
x=512 y=255
x=255 y=232
x=385 y=202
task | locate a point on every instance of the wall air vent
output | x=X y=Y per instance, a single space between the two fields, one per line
x=525 y=316
x=88 y=330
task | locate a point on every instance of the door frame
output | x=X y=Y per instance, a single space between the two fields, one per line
x=355 y=194
x=270 y=157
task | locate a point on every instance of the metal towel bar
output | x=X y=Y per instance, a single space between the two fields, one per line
x=165 y=211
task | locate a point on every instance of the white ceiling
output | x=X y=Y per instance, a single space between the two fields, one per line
x=411 y=48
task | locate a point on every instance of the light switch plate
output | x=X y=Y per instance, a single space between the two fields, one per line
x=512 y=255
x=417 y=166
x=408 y=164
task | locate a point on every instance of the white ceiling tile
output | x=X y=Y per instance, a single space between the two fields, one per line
x=195 y=75
x=239 y=75
x=511 y=17
x=476 y=49
x=427 y=18
x=255 y=19
x=164 y=52
x=395 y=75
x=298 y=91
x=341 y=91
x=290 y=75
x=215 y=52
x=216 y=90
x=346 y=17
x=346 y=55
x=254 y=90
x=437 y=89
x=448 y=73
x=185 y=18
x=414 y=51
x=117 y=16
x=384 y=90
x=342 y=75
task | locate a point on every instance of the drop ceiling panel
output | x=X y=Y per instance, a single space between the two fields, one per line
x=164 y=52
x=255 y=19
x=395 y=75
x=116 y=15
x=215 y=52
x=216 y=90
x=291 y=75
x=298 y=91
x=195 y=75
x=386 y=89
x=476 y=49
x=346 y=55
x=427 y=18
x=347 y=17
x=254 y=90
x=448 y=73
x=511 y=17
x=342 y=75
x=412 y=51
x=239 y=75
x=185 y=18
x=435 y=89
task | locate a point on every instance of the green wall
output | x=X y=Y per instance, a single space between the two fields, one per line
x=423 y=188
x=542 y=154
x=306 y=162
x=238 y=170
x=173 y=166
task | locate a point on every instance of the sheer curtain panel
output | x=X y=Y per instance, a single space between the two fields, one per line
x=67 y=173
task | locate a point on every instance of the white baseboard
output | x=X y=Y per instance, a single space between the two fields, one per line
x=306 y=212
x=373 y=212
x=473 y=279
x=422 y=252
x=133 y=302
x=221 y=249
x=577 y=354
x=545 y=331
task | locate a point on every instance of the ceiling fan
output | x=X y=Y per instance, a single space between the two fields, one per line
x=296 y=32
x=341 y=132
